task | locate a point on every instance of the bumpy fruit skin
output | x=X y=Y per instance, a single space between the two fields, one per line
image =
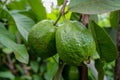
x=74 y=43
x=42 y=39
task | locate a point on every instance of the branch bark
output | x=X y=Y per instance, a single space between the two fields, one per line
x=83 y=72
x=84 y=18
x=25 y=69
x=117 y=63
x=10 y=64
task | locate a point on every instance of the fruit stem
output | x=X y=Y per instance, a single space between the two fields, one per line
x=61 y=12
x=57 y=19
x=59 y=71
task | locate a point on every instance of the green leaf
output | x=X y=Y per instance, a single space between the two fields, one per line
x=7 y=50
x=114 y=19
x=4 y=14
x=37 y=77
x=94 y=17
x=99 y=64
x=26 y=77
x=19 y=50
x=105 y=46
x=21 y=54
x=23 y=23
x=60 y=2
x=35 y=66
x=38 y=9
x=75 y=16
x=52 y=67
x=7 y=74
x=19 y=68
x=94 y=6
x=4 y=31
x=112 y=32
x=17 y=5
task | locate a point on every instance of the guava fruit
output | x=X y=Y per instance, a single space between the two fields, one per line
x=70 y=73
x=41 y=39
x=74 y=43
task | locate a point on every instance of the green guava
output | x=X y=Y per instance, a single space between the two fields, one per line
x=41 y=39
x=74 y=43
x=71 y=73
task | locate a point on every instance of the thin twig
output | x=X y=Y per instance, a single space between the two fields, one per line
x=25 y=69
x=59 y=71
x=24 y=66
x=10 y=64
x=54 y=59
x=57 y=19
x=61 y=11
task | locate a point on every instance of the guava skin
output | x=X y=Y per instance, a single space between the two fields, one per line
x=41 y=39
x=74 y=43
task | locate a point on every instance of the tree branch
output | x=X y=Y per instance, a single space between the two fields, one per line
x=84 y=18
x=24 y=66
x=117 y=63
x=10 y=64
x=25 y=69
x=83 y=72
x=59 y=71
x=61 y=11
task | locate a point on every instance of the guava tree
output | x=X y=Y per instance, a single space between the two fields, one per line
x=77 y=40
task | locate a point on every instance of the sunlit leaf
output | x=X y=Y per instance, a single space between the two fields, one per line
x=23 y=24
x=17 y=5
x=38 y=8
x=94 y=6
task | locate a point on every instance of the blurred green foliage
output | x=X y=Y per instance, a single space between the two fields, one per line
x=16 y=19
